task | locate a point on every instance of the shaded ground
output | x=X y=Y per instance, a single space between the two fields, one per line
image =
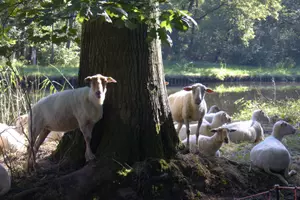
x=188 y=176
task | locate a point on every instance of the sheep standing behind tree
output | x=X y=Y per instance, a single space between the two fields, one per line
x=66 y=111
x=189 y=105
x=271 y=155
x=220 y=118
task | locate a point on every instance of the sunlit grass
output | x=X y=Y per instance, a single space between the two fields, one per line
x=222 y=71
x=217 y=70
x=32 y=70
x=288 y=109
x=222 y=89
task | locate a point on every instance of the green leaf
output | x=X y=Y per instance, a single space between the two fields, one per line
x=119 y=23
x=180 y=25
x=130 y=25
x=164 y=37
x=105 y=16
x=80 y=18
x=166 y=24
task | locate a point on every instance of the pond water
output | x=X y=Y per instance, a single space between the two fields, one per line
x=227 y=93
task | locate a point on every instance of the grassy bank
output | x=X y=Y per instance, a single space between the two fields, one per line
x=219 y=71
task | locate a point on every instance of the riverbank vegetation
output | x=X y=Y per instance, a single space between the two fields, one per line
x=204 y=69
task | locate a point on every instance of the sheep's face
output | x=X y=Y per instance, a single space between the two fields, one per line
x=222 y=134
x=98 y=84
x=283 y=128
x=260 y=116
x=223 y=117
x=21 y=123
x=214 y=109
x=198 y=91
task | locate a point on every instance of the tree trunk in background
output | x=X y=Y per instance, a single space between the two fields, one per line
x=33 y=56
x=52 y=54
x=137 y=122
x=70 y=24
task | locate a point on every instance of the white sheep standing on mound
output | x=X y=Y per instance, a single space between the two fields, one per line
x=5 y=181
x=210 y=145
x=220 y=118
x=271 y=155
x=66 y=111
x=251 y=130
x=189 y=105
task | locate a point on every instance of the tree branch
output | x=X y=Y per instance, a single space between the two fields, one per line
x=210 y=11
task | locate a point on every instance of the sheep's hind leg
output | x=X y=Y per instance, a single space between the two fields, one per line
x=42 y=136
x=87 y=134
x=267 y=170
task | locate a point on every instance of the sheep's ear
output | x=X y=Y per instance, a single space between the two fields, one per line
x=208 y=90
x=213 y=130
x=231 y=130
x=188 y=88
x=110 y=80
x=88 y=79
x=166 y=83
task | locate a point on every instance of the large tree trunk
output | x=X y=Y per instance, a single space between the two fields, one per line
x=137 y=121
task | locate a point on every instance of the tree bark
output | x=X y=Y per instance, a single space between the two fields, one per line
x=137 y=122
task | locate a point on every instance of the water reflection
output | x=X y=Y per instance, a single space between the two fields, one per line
x=228 y=92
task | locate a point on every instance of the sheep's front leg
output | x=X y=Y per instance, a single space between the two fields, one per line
x=179 y=126
x=187 y=125
x=87 y=134
x=197 y=131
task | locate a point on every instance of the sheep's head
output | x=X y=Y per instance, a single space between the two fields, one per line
x=222 y=117
x=198 y=91
x=98 y=84
x=282 y=128
x=222 y=133
x=214 y=109
x=21 y=124
x=260 y=116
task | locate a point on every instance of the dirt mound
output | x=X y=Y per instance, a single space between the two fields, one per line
x=188 y=176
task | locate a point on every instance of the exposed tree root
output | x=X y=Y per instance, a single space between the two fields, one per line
x=79 y=184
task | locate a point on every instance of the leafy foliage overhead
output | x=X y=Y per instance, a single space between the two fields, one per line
x=38 y=18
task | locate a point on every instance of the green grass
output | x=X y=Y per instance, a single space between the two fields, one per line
x=218 y=70
x=49 y=70
x=221 y=71
x=287 y=109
